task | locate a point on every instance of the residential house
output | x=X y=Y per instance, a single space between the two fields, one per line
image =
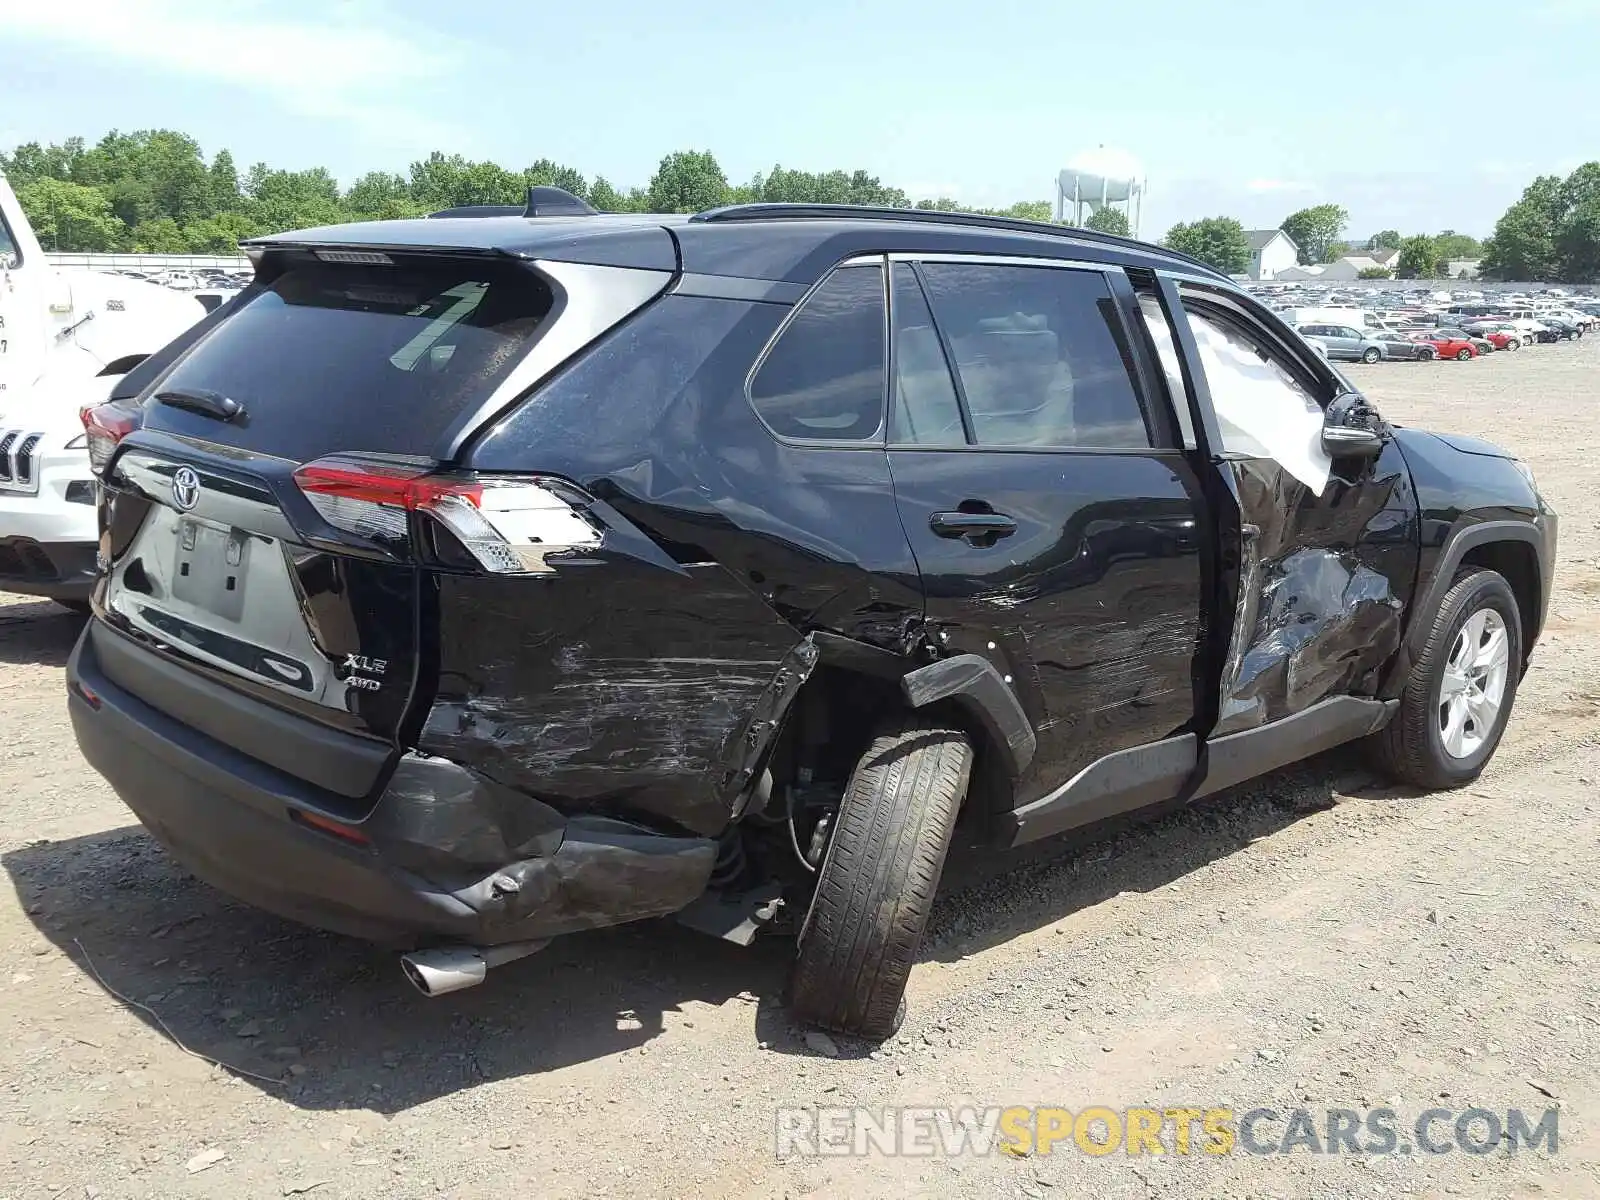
x=1272 y=251
x=1350 y=267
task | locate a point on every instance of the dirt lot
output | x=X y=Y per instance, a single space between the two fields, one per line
x=1314 y=940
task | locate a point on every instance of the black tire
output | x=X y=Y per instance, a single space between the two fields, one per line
x=1371 y=354
x=1464 y=354
x=1410 y=749
x=876 y=885
x=1428 y=354
x=1514 y=344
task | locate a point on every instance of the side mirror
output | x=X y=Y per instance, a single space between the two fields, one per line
x=1352 y=428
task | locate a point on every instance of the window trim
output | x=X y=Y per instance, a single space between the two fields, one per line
x=874 y=441
x=1321 y=381
x=1156 y=428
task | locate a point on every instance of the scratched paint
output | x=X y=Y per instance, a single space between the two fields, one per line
x=606 y=728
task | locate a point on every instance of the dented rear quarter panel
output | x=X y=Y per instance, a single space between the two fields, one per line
x=639 y=681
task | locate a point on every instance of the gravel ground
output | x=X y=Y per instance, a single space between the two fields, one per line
x=1313 y=940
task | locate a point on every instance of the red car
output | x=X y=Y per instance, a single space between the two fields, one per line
x=1449 y=347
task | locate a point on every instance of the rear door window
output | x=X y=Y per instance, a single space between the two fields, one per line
x=1041 y=354
x=330 y=357
x=823 y=378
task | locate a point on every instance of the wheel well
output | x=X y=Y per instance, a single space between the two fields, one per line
x=1519 y=564
x=837 y=712
x=121 y=366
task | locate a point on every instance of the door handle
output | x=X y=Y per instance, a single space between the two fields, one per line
x=978 y=528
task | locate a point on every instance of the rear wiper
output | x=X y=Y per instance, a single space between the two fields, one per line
x=209 y=404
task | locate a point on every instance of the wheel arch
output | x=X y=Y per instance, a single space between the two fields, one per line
x=1514 y=549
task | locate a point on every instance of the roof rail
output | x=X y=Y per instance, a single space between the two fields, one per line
x=931 y=216
x=542 y=202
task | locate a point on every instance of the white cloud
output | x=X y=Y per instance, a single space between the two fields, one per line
x=347 y=63
x=1277 y=185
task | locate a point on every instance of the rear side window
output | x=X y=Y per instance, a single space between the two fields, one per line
x=1041 y=354
x=335 y=357
x=823 y=379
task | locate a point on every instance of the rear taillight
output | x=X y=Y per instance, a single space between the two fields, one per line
x=104 y=425
x=508 y=525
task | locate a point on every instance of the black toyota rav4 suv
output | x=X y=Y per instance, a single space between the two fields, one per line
x=478 y=579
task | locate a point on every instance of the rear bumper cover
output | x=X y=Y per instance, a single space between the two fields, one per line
x=448 y=855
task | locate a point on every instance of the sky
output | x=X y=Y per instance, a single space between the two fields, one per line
x=1416 y=117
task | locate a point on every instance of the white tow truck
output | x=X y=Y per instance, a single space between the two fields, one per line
x=65 y=339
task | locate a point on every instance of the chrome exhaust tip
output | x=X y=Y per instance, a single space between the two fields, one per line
x=442 y=969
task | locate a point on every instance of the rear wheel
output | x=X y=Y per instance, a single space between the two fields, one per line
x=1371 y=354
x=877 y=881
x=1428 y=354
x=1513 y=344
x=1459 y=695
x=1463 y=354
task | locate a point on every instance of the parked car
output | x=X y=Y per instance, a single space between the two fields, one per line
x=1401 y=346
x=1501 y=335
x=478 y=580
x=1482 y=345
x=1344 y=343
x=1564 y=328
x=1447 y=346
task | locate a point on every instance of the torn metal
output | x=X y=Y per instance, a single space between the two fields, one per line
x=1310 y=621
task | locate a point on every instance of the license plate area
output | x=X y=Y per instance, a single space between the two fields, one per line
x=225 y=596
x=211 y=565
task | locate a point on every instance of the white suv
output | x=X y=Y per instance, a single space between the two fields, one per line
x=65 y=338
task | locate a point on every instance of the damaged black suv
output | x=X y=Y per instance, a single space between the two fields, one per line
x=478 y=579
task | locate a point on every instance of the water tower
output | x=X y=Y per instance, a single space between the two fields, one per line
x=1097 y=179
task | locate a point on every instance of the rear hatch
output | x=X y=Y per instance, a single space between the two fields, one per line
x=273 y=522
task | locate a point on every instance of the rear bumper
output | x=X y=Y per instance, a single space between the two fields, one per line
x=444 y=855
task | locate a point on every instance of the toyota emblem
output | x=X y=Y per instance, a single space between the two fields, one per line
x=185 y=488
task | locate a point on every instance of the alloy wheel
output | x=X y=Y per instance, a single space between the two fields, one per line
x=1474 y=684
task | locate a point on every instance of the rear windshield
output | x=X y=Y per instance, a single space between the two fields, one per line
x=381 y=359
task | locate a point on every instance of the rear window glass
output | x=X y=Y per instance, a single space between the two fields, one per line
x=384 y=359
x=823 y=379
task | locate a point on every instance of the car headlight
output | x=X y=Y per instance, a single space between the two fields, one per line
x=81 y=442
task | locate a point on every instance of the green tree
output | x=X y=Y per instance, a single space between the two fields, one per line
x=1523 y=243
x=1219 y=241
x=220 y=234
x=688 y=181
x=380 y=196
x=605 y=197
x=70 y=216
x=450 y=181
x=1315 y=229
x=1108 y=220
x=282 y=200
x=224 y=181
x=31 y=161
x=1419 y=258
x=159 y=235
x=1385 y=239
x=1457 y=245
x=1375 y=273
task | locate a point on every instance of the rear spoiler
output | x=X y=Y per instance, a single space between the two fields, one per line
x=542 y=202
